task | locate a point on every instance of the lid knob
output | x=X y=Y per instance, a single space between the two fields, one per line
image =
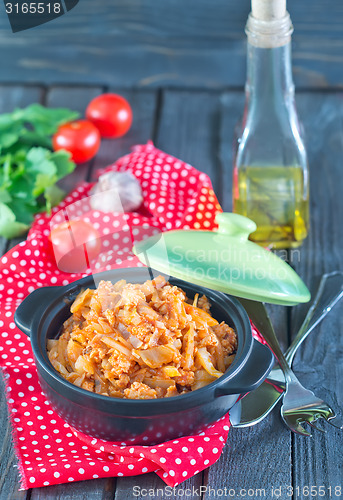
x=235 y=225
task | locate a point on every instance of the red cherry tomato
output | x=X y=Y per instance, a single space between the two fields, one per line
x=81 y=138
x=111 y=114
x=75 y=244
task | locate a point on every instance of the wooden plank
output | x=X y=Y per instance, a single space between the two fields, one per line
x=231 y=113
x=243 y=448
x=17 y=96
x=175 y=134
x=175 y=43
x=11 y=97
x=94 y=489
x=189 y=129
x=3 y=244
x=9 y=478
x=255 y=458
x=77 y=99
x=318 y=461
x=139 y=486
x=144 y=105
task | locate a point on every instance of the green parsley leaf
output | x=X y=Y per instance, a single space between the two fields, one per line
x=9 y=227
x=29 y=169
x=63 y=163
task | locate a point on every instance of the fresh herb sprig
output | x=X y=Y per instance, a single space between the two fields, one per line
x=29 y=169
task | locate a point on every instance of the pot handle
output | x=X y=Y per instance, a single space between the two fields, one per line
x=255 y=370
x=33 y=306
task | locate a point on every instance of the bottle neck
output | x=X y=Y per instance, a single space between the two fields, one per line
x=269 y=75
x=269 y=72
x=269 y=33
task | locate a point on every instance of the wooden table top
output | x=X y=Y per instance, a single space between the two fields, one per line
x=197 y=126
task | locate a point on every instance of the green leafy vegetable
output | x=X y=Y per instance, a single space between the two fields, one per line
x=29 y=169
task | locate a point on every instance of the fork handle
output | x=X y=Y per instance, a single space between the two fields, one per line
x=259 y=316
x=330 y=291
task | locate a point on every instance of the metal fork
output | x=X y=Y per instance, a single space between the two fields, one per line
x=299 y=404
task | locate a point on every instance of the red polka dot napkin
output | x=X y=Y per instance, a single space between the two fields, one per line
x=49 y=451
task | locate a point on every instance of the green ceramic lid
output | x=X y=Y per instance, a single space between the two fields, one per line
x=224 y=260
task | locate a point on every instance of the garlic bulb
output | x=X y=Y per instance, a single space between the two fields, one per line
x=116 y=192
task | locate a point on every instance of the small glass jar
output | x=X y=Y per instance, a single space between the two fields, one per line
x=270 y=178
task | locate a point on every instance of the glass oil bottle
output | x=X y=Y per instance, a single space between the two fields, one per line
x=270 y=179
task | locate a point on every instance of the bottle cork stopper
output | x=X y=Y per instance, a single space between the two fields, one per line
x=268 y=10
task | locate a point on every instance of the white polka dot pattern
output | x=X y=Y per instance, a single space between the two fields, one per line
x=49 y=451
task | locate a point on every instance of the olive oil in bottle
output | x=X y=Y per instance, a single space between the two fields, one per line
x=273 y=198
x=271 y=181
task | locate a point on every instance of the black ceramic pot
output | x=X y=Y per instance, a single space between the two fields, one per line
x=146 y=422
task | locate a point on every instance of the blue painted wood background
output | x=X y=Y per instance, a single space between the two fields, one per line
x=175 y=43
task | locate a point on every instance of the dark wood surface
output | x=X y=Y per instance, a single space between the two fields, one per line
x=178 y=43
x=198 y=127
